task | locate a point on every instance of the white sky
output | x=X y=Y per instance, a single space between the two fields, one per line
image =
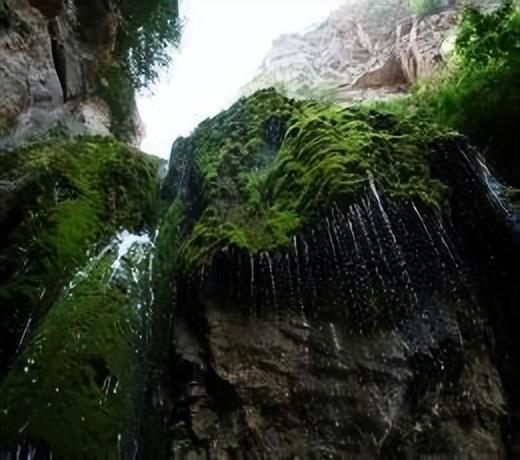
x=223 y=44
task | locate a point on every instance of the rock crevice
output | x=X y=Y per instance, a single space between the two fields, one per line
x=52 y=58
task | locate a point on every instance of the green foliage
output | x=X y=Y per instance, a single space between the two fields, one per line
x=255 y=194
x=168 y=240
x=269 y=165
x=479 y=96
x=227 y=152
x=147 y=30
x=81 y=192
x=143 y=44
x=328 y=153
x=424 y=6
x=485 y=38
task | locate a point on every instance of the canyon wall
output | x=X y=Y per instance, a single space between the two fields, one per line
x=53 y=55
x=364 y=50
x=323 y=291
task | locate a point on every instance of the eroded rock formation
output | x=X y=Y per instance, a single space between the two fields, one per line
x=327 y=301
x=363 y=50
x=52 y=57
x=310 y=282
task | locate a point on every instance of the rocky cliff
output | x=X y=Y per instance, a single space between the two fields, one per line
x=306 y=281
x=328 y=300
x=363 y=50
x=77 y=213
x=53 y=55
x=323 y=283
x=74 y=217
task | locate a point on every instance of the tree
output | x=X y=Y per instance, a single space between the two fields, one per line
x=481 y=97
x=147 y=30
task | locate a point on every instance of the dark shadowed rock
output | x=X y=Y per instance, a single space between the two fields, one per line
x=365 y=333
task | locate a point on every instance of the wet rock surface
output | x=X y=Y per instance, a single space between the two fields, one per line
x=337 y=354
x=324 y=282
x=372 y=333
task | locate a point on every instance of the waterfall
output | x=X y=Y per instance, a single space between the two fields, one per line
x=368 y=306
x=105 y=309
x=357 y=327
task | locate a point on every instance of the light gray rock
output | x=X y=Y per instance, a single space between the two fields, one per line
x=52 y=53
x=364 y=50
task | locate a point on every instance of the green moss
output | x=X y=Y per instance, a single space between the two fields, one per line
x=74 y=388
x=329 y=154
x=168 y=241
x=269 y=166
x=81 y=192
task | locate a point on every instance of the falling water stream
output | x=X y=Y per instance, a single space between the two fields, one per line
x=118 y=275
x=375 y=296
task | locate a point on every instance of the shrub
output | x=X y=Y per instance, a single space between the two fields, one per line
x=147 y=31
x=480 y=97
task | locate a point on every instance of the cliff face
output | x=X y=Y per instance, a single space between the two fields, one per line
x=52 y=57
x=363 y=50
x=308 y=281
x=325 y=282
x=328 y=297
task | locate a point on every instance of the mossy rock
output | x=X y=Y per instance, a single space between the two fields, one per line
x=58 y=200
x=74 y=392
x=270 y=166
x=343 y=217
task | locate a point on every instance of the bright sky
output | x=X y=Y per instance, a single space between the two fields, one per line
x=223 y=44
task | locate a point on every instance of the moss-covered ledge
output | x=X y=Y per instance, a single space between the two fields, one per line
x=270 y=166
x=300 y=214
